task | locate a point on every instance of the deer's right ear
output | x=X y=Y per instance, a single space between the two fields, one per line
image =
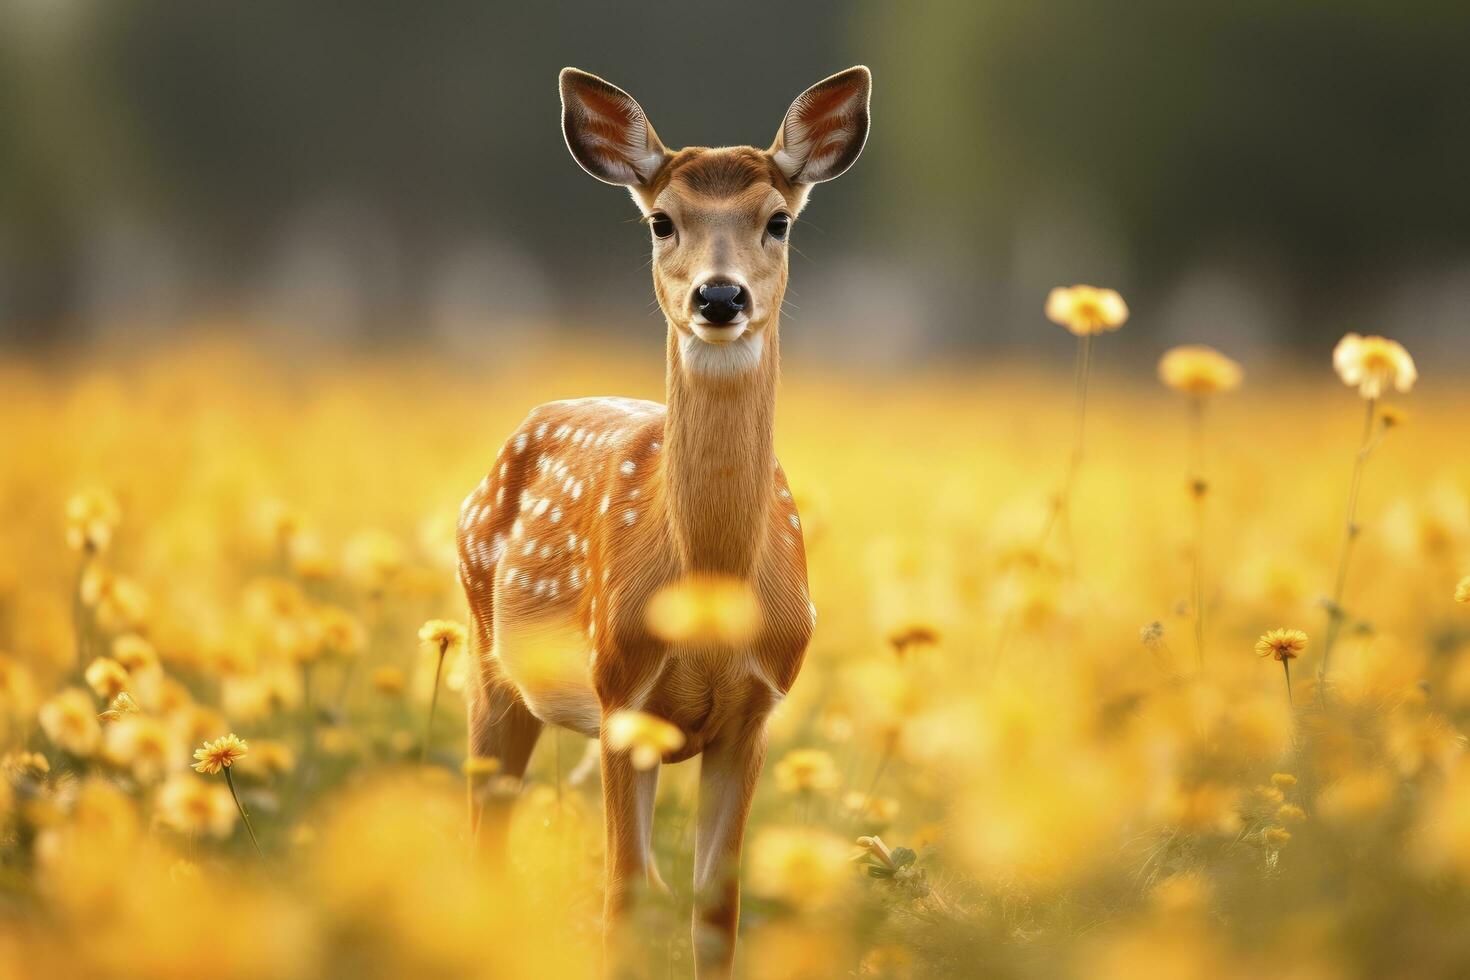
x=607 y=131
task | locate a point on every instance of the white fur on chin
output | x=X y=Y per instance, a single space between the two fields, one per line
x=735 y=357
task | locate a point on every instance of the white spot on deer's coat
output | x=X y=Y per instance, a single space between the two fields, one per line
x=627 y=468
x=630 y=515
x=521 y=443
x=555 y=516
x=541 y=506
x=606 y=502
x=795 y=521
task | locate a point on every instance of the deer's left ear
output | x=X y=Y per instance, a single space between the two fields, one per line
x=607 y=132
x=825 y=128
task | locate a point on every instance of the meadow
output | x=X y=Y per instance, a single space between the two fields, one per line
x=1034 y=736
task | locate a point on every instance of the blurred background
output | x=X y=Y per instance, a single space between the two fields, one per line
x=1261 y=175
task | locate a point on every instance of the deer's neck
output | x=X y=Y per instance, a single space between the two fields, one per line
x=719 y=459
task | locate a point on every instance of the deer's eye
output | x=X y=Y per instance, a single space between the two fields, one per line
x=778 y=225
x=662 y=225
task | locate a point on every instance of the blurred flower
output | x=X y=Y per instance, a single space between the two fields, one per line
x=1086 y=309
x=1462 y=591
x=802 y=867
x=121 y=705
x=145 y=746
x=342 y=633
x=91 y=517
x=107 y=677
x=388 y=681
x=648 y=738
x=705 y=609
x=18 y=762
x=192 y=806
x=442 y=635
x=373 y=558
x=1356 y=796
x=1373 y=364
x=1198 y=370
x=219 y=754
x=879 y=810
x=134 y=653
x=1290 y=813
x=17 y=687
x=1284 y=780
x=1276 y=836
x=70 y=721
x=268 y=758
x=119 y=602
x=807 y=771
x=1281 y=644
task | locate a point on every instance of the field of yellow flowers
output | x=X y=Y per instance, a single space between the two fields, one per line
x=1044 y=728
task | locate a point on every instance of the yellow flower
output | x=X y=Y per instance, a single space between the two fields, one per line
x=705 y=609
x=342 y=633
x=70 y=721
x=1086 y=310
x=1290 y=812
x=145 y=746
x=800 y=866
x=873 y=809
x=121 y=705
x=1276 y=836
x=192 y=806
x=219 y=754
x=268 y=758
x=1462 y=591
x=388 y=681
x=1282 y=644
x=648 y=738
x=1373 y=364
x=442 y=635
x=91 y=517
x=107 y=677
x=134 y=653
x=18 y=762
x=807 y=771
x=1198 y=370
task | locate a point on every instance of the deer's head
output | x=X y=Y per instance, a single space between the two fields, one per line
x=720 y=218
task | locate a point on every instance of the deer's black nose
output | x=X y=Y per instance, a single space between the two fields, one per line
x=720 y=302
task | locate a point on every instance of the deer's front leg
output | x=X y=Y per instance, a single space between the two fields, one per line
x=728 y=772
x=627 y=799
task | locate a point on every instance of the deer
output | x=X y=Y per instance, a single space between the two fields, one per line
x=593 y=505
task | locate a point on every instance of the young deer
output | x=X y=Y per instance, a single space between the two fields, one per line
x=594 y=505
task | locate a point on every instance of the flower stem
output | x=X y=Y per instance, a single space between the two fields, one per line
x=1286 y=666
x=230 y=781
x=433 y=703
x=1198 y=489
x=1061 y=503
x=1335 y=614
